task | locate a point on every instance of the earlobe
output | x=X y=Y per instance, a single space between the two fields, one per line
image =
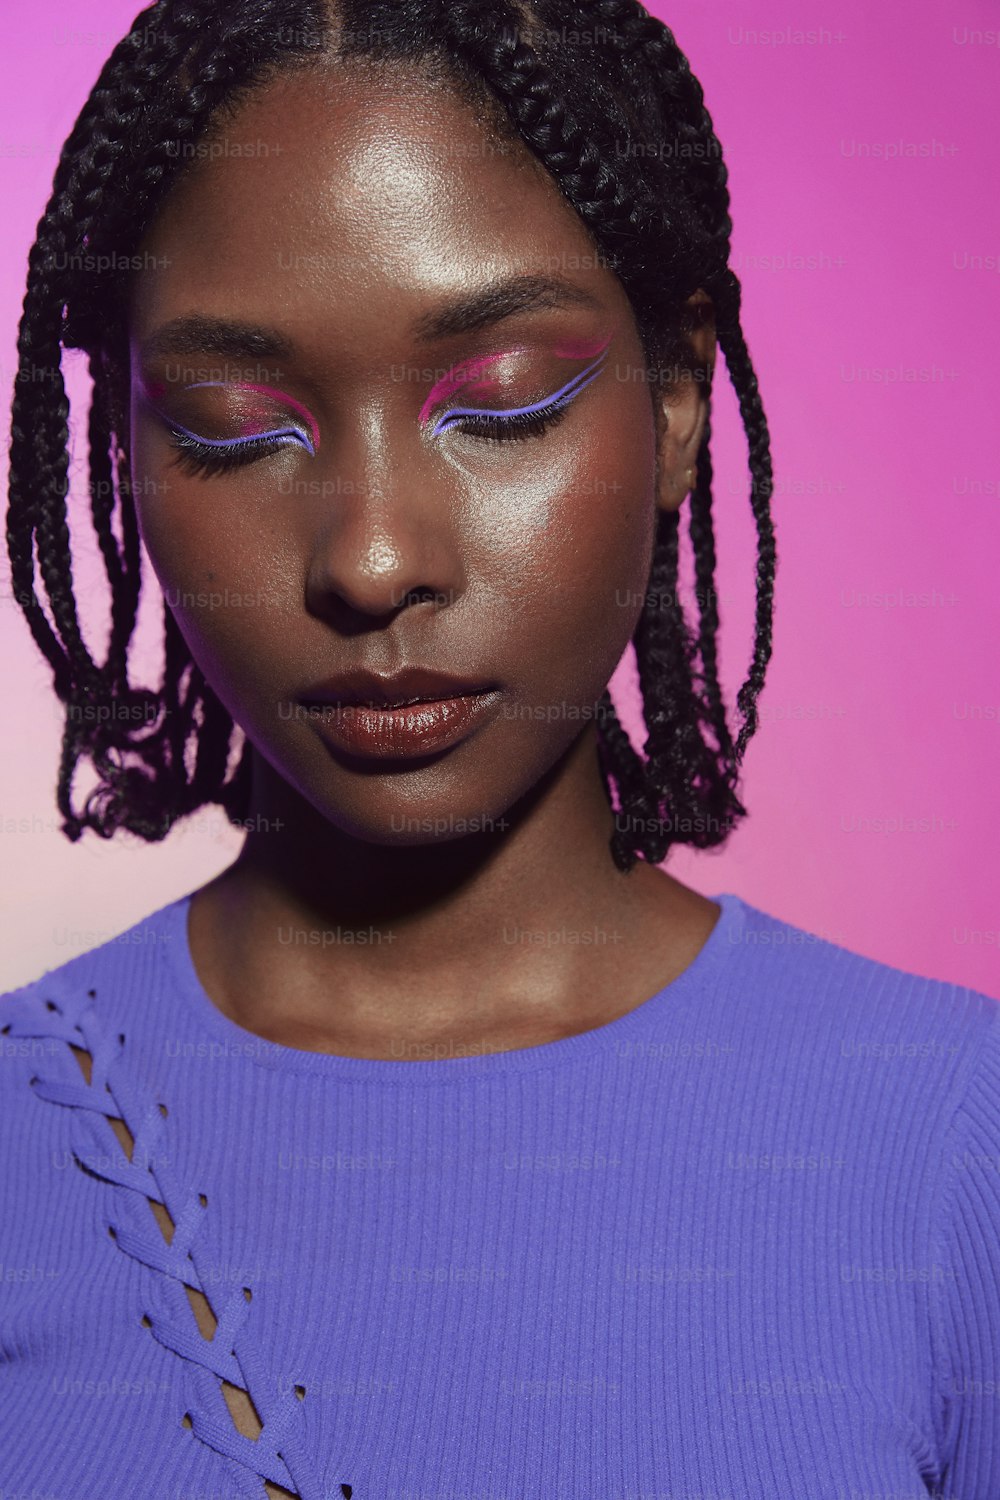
x=678 y=442
x=681 y=415
x=674 y=488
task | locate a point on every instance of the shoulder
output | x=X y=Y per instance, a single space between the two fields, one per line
x=97 y=992
x=811 y=978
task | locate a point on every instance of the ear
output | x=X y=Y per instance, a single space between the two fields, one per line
x=681 y=415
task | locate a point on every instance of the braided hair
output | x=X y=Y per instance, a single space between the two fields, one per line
x=574 y=79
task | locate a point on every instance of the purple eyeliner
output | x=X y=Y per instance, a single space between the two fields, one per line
x=267 y=390
x=307 y=436
x=276 y=434
x=467 y=373
x=561 y=397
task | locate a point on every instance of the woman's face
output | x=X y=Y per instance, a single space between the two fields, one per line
x=368 y=247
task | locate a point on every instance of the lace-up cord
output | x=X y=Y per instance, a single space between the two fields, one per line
x=279 y=1454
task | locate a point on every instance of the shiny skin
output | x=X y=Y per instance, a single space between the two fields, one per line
x=503 y=561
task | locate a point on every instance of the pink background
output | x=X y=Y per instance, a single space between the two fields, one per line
x=863 y=174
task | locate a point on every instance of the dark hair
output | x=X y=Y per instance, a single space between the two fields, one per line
x=604 y=98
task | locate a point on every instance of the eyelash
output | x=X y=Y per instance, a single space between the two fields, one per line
x=510 y=429
x=194 y=457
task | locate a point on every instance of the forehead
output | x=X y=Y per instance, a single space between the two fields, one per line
x=359 y=186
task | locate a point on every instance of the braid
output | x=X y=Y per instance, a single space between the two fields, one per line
x=663 y=226
x=516 y=75
x=700 y=804
x=651 y=46
x=89 y=209
x=758 y=437
x=702 y=533
x=708 y=180
x=683 y=785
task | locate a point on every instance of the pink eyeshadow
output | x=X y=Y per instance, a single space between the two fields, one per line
x=248 y=428
x=459 y=375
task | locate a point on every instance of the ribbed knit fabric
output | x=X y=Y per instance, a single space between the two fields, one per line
x=742 y=1242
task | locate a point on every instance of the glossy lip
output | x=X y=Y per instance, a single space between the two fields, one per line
x=409 y=685
x=419 y=728
x=414 y=711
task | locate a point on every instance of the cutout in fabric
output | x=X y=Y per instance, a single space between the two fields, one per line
x=244 y=1416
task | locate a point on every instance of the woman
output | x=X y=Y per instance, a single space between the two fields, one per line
x=479 y=1155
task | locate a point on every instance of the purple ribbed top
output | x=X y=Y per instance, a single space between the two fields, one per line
x=741 y=1242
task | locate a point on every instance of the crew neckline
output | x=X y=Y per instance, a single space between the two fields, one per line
x=237 y=1041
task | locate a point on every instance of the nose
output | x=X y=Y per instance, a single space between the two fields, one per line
x=386 y=532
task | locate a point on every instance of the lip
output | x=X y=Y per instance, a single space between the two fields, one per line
x=409 y=685
x=413 y=712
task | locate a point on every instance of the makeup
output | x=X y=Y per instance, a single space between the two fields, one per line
x=469 y=378
x=473 y=378
x=411 y=730
x=252 y=419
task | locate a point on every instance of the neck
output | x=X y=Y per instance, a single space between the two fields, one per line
x=365 y=942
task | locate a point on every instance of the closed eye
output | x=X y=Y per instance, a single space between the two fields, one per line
x=217 y=455
x=520 y=421
x=511 y=426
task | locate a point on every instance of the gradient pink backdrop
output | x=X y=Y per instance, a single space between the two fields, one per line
x=861 y=148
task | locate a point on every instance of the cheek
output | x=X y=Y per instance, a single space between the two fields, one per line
x=200 y=549
x=193 y=529
x=167 y=517
x=572 y=555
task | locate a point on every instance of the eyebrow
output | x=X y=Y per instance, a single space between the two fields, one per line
x=513 y=294
x=196 y=334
